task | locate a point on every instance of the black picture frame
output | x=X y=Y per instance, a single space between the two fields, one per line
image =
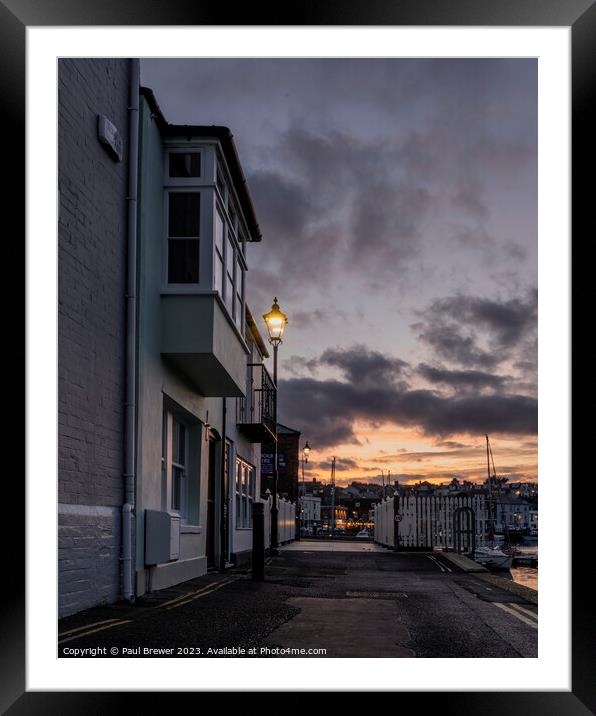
x=580 y=15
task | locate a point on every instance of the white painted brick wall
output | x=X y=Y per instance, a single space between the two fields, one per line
x=91 y=330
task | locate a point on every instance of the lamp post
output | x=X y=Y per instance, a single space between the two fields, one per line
x=275 y=321
x=305 y=454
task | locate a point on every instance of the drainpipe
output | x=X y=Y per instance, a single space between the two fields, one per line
x=223 y=496
x=128 y=590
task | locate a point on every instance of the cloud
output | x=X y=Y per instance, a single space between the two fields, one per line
x=460 y=380
x=327 y=203
x=360 y=365
x=474 y=331
x=449 y=444
x=333 y=406
x=344 y=464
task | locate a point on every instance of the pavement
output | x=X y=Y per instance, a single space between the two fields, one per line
x=319 y=599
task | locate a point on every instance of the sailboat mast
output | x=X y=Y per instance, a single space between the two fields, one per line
x=332 y=524
x=491 y=505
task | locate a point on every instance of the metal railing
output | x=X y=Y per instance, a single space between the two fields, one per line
x=258 y=407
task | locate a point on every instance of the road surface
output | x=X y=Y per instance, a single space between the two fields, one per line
x=327 y=599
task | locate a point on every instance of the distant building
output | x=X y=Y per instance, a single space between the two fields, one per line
x=341 y=515
x=512 y=513
x=310 y=514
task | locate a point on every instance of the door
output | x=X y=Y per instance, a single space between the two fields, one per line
x=211 y=522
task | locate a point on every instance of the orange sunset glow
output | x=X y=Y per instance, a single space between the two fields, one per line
x=409 y=456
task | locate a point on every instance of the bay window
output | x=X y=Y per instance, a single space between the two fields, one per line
x=204 y=227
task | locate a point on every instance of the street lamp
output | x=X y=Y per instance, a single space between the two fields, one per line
x=305 y=454
x=275 y=321
x=306 y=451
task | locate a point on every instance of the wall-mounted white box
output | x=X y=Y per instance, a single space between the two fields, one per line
x=162 y=537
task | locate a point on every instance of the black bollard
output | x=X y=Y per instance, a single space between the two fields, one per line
x=258 y=541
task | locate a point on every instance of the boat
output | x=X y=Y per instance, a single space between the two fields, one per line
x=493 y=557
x=497 y=553
x=363 y=533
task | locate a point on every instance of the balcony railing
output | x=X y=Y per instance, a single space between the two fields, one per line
x=255 y=414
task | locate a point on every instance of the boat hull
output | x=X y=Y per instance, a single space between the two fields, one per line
x=494 y=561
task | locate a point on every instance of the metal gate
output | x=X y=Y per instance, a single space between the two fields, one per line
x=456 y=522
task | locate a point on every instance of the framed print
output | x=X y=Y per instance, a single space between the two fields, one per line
x=298 y=344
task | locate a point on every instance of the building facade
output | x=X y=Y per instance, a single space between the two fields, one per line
x=310 y=514
x=200 y=352
x=164 y=397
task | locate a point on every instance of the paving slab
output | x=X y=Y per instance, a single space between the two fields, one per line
x=345 y=628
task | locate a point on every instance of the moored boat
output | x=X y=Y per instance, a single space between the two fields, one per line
x=493 y=557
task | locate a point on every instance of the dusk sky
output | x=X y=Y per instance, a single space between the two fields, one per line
x=398 y=205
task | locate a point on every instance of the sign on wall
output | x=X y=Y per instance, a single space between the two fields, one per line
x=267 y=463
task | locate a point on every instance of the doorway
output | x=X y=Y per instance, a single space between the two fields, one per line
x=211 y=512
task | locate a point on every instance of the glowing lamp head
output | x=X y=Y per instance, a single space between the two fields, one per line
x=276 y=322
x=306 y=451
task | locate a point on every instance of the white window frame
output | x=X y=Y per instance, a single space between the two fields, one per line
x=183 y=181
x=244 y=492
x=168 y=464
x=176 y=189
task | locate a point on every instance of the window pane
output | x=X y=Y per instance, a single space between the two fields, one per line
x=239 y=278
x=177 y=474
x=229 y=294
x=221 y=185
x=218 y=285
x=239 y=283
x=181 y=444
x=231 y=212
x=230 y=258
x=183 y=261
x=219 y=232
x=184 y=214
x=185 y=164
x=238 y=311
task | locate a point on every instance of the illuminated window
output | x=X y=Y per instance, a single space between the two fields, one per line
x=245 y=493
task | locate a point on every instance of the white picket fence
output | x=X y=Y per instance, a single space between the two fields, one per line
x=286 y=521
x=384 y=522
x=427 y=522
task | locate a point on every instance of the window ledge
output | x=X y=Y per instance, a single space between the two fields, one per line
x=190 y=529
